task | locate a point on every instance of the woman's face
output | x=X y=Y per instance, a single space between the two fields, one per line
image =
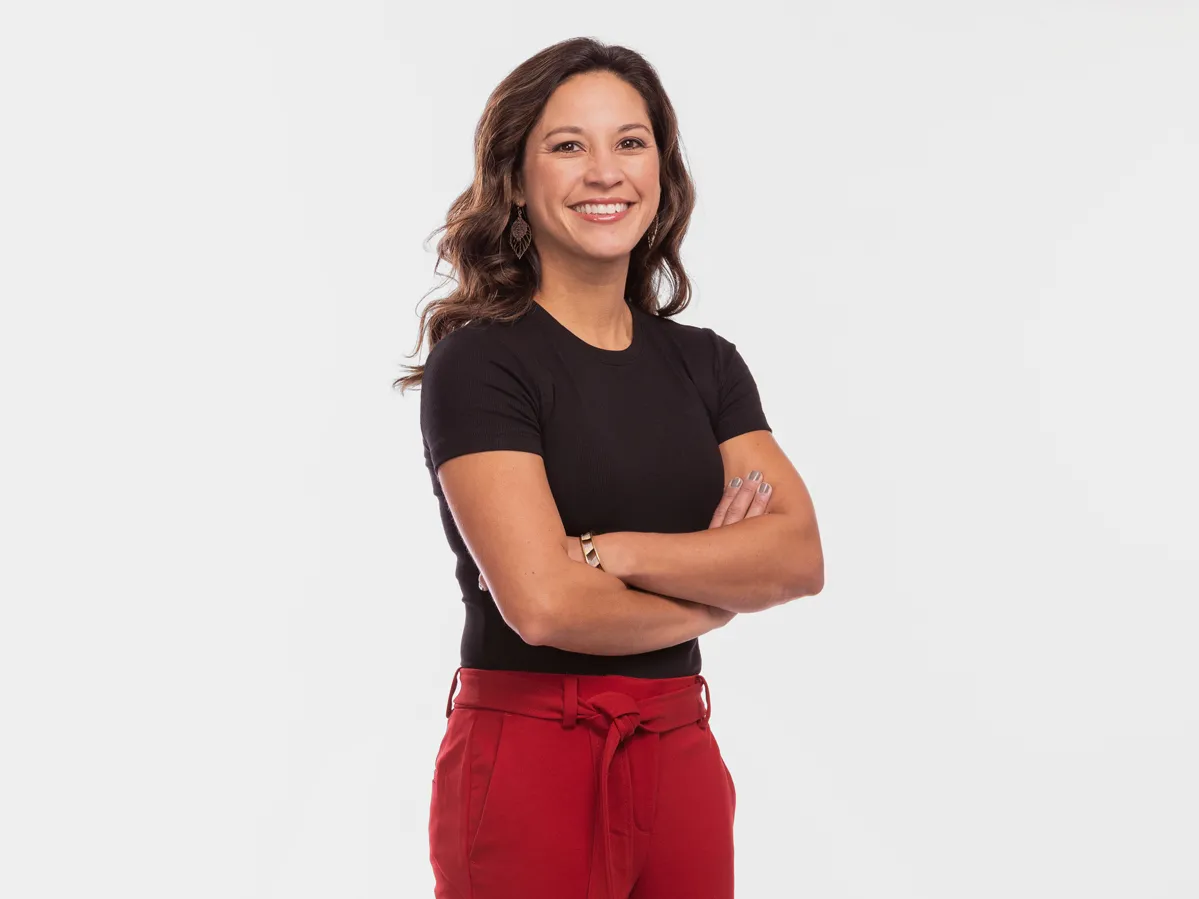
x=583 y=148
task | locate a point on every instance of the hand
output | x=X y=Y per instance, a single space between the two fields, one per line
x=742 y=501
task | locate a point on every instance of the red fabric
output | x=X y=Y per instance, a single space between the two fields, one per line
x=552 y=786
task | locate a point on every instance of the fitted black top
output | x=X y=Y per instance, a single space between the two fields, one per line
x=629 y=440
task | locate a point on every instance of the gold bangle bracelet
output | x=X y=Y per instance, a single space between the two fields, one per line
x=589 y=551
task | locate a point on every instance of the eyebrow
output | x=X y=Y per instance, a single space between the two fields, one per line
x=575 y=129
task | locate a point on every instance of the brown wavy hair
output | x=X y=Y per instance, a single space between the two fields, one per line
x=494 y=285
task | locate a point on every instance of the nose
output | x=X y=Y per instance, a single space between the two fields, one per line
x=605 y=168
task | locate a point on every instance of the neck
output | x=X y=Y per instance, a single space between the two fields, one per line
x=589 y=300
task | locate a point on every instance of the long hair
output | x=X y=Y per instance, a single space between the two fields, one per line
x=494 y=285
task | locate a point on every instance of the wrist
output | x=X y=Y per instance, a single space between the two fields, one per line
x=574 y=549
x=614 y=552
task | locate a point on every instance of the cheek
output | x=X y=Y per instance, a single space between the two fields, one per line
x=550 y=197
x=555 y=183
x=648 y=182
x=650 y=166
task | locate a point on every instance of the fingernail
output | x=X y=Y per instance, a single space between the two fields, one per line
x=735 y=482
x=755 y=475
x=765 y=488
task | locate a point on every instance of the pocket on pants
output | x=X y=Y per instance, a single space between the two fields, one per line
x=728 y=775
x=440 y=752
x=486 y=755
x=462 y=780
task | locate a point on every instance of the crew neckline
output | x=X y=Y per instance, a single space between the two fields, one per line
x=610 y=357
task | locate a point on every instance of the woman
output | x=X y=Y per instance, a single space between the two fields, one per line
x=580 y=443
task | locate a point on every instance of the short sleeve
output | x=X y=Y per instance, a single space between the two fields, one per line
x=475 y=397
x=739 y=407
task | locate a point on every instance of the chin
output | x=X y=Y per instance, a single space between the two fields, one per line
x=614 y=256
x=607 y=251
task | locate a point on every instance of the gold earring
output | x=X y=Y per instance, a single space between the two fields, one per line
x=519 y=235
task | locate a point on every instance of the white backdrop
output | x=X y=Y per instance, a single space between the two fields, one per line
x=956 y=244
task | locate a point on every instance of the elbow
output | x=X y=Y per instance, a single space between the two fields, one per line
x=815 y=586
x=809 y=581
x=815 y=581
x=522 y=612
x=530 y=603
x=812 y=578
x=547 y=618
x=533 y=627
x=535 y=633
x=805 y=571
x=536 y=624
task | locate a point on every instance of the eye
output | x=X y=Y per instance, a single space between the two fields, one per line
x=639 y=143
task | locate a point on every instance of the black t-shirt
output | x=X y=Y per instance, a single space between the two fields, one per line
x=629 y=440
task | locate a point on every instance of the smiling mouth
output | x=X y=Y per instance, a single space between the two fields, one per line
x=600 y=208
x=602 y=213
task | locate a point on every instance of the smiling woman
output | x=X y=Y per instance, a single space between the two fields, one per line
x=607 y=478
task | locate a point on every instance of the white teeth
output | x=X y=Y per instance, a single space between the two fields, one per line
x=601 y=209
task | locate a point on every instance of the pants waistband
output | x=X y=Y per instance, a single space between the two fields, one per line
x=557 y=697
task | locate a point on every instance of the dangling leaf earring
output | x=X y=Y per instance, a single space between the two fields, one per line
x=519 y=235
x=653 y=234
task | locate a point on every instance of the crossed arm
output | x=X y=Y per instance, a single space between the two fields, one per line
x=657 y=590
x=747 y=566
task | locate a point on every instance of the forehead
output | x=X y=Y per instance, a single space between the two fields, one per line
x=594 y=100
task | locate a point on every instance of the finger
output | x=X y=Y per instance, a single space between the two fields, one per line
x=741 y=501
x=731 y=489
x=760 y=501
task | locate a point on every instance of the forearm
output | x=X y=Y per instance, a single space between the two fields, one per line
x=746 y=566
x=594 y=612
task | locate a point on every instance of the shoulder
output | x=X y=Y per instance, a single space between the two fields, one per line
x=482 y=367
x=479 y=335
x=477 y=347
x=698 y=344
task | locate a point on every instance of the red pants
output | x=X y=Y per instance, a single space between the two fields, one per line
x=553 y=786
